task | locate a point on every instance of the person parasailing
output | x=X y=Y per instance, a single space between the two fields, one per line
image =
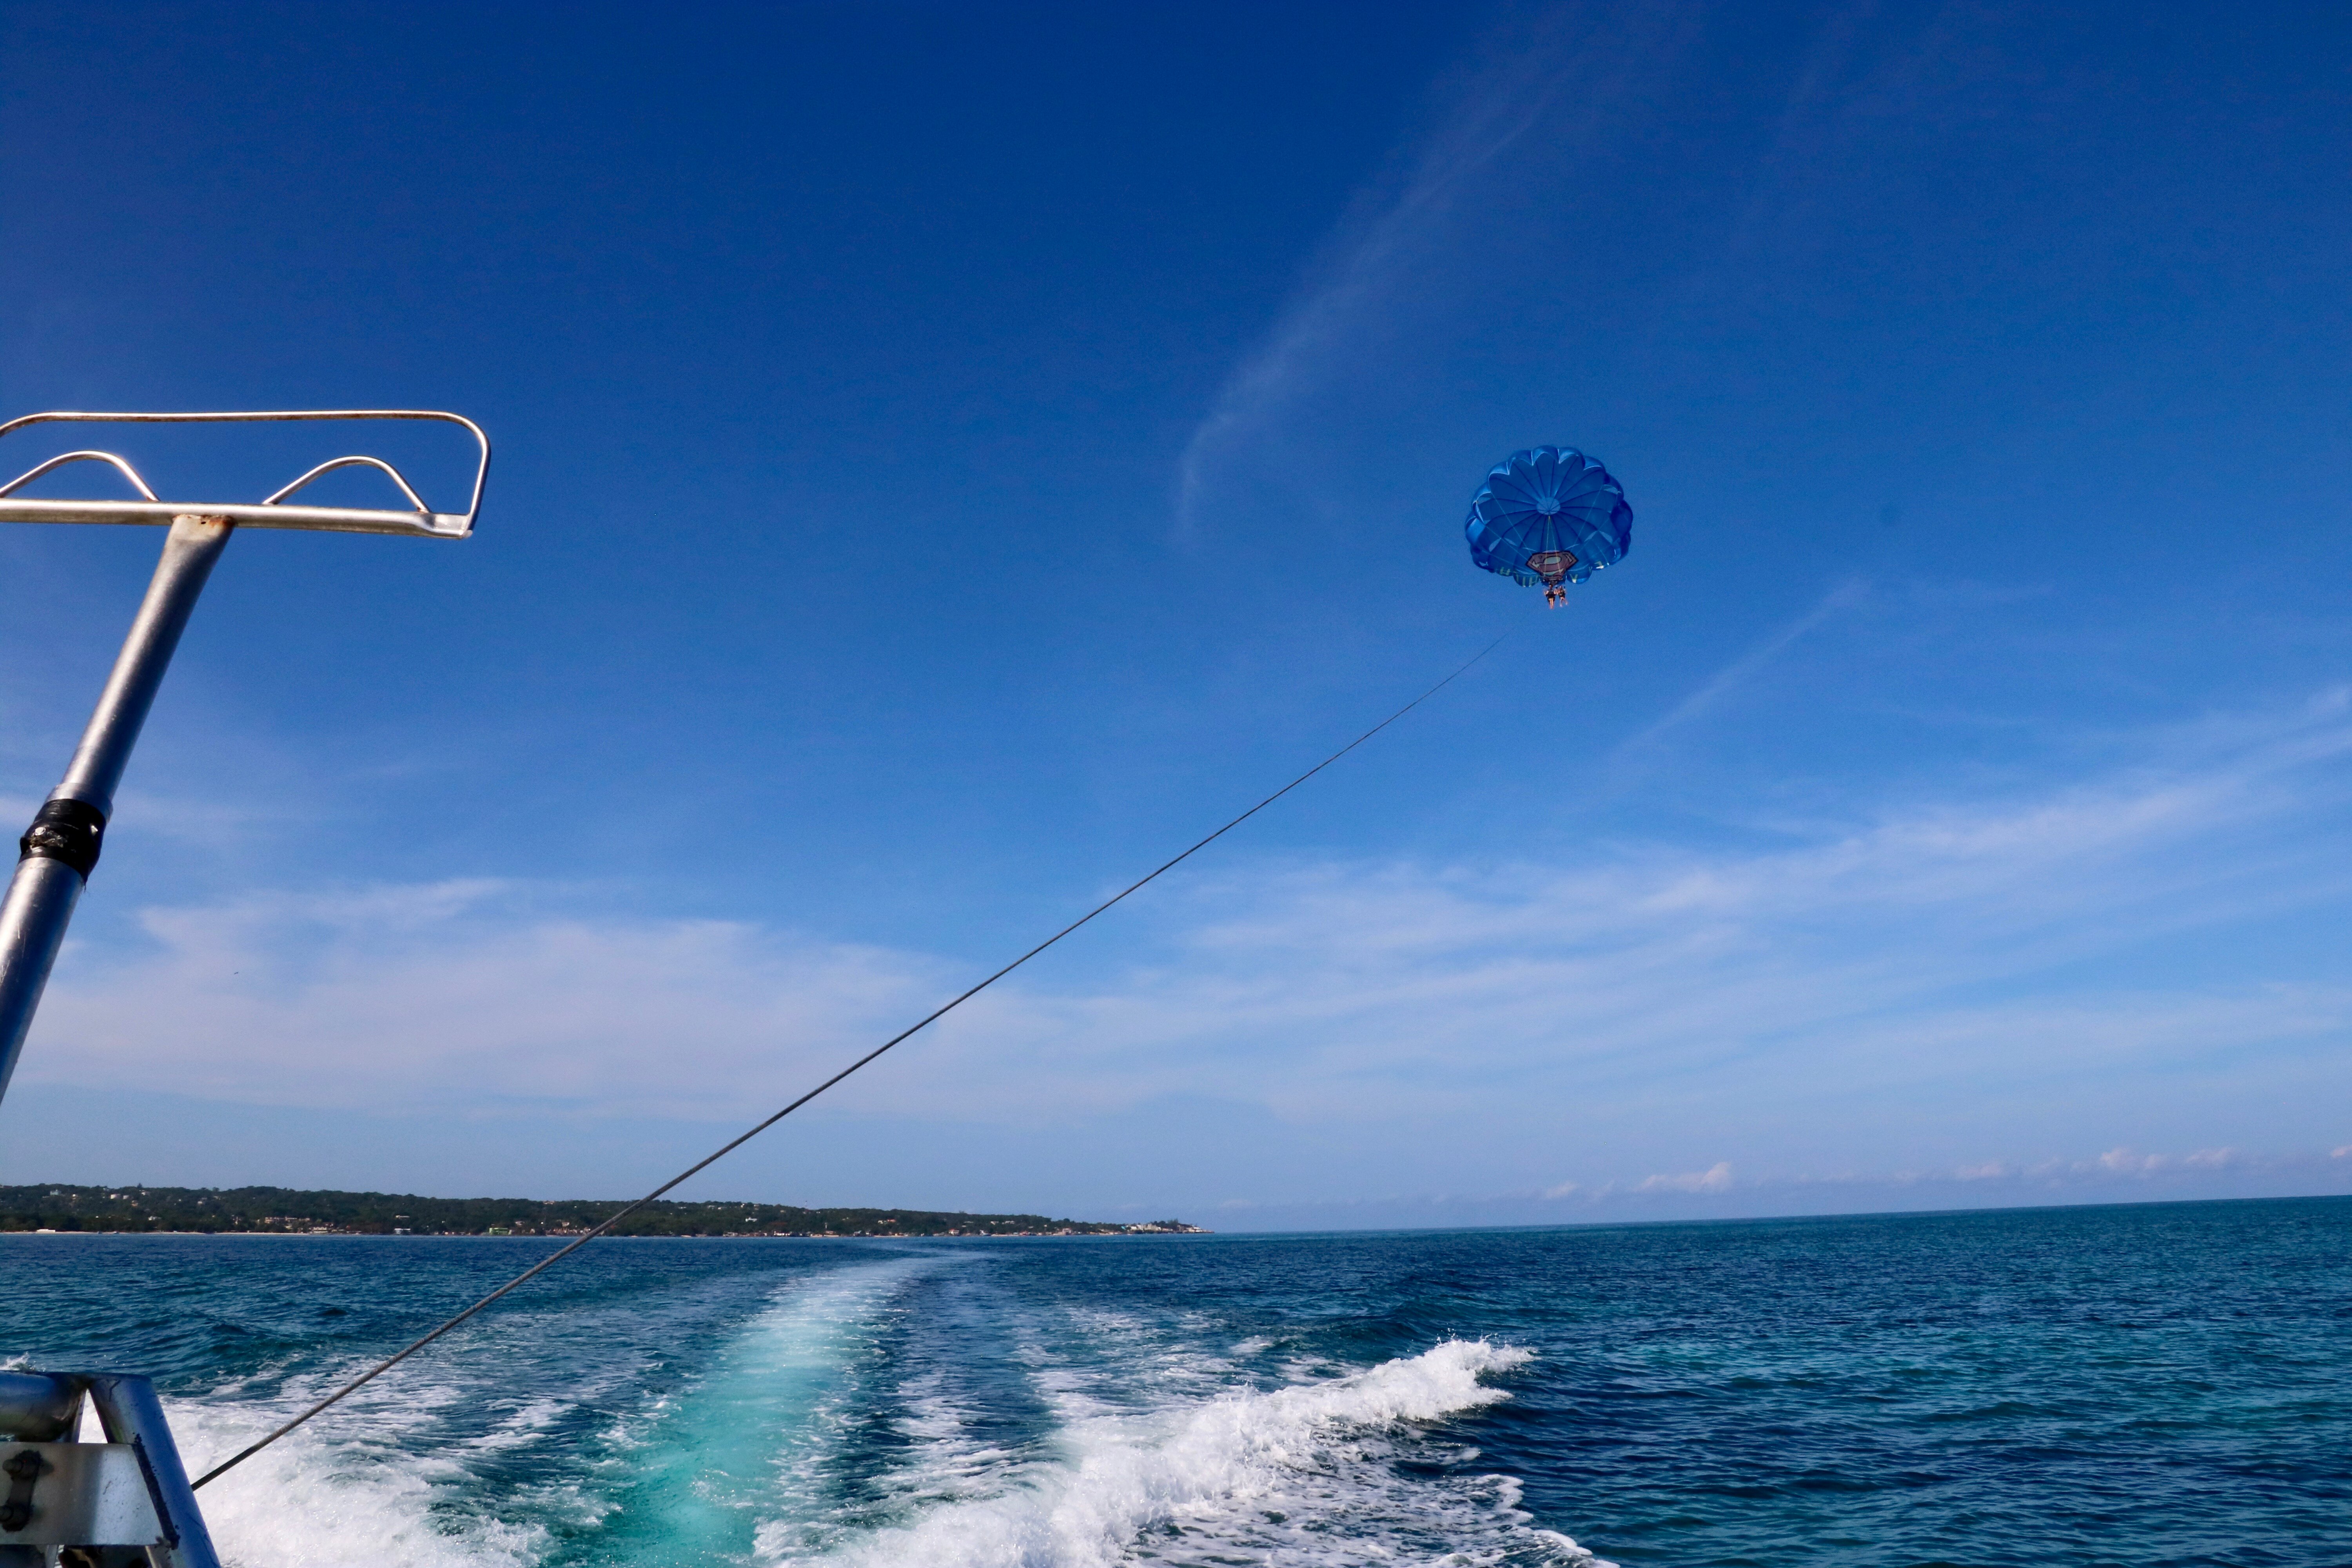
x=1548 y=515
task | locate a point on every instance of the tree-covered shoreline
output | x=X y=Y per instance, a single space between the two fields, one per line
x=286 y=1211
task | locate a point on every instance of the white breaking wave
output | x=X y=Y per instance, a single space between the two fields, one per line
x=315 y=1501
x=1299 y=1474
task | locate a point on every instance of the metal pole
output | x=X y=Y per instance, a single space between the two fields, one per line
x=129 y=1413
x=55 y=854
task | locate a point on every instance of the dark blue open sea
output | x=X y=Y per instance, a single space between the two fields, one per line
x=2143 y=1385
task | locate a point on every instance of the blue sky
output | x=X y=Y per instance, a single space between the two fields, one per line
x=950 y=456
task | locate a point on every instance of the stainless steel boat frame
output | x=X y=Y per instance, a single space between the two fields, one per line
x=126 y=1501
x=121 y=1502
x=422 y=521
x=58 y=851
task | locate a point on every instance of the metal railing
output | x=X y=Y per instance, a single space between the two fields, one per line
x=65 y=1503
x=57 y=853
x=423 y=521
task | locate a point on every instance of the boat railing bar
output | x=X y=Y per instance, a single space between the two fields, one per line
x=422 y=522
x=127 y=1493
x=58 y=852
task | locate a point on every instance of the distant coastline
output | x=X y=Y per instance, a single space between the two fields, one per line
x=58 y=1208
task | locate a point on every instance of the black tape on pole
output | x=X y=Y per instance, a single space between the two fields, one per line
x=72 y=831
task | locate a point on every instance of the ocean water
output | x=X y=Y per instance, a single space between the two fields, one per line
x=2158 y=1385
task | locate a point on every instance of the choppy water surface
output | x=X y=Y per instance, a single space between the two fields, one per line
x=2143 y=1386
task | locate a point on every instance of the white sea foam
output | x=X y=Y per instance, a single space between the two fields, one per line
x=1147 y=1447
x=395 y=1476
x=757 y=1435
x=1300 y=1474
x=947 y=1461
x=341 y=1500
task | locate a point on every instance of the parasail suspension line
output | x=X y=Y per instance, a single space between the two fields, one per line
x=355 y=1385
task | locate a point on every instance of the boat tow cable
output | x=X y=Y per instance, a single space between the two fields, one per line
x=355 y=1385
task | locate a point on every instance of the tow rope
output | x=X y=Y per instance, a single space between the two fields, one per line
x=355 y=1385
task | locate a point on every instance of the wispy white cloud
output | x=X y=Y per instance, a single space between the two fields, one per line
x=2118 y=1175
x=1715 y=1178
x=1362 y=264
x=1944 y=960
x=1542 y=70
x=465 y=993
x=2122 y=1162
x=1740 y=671
x=2052 y=1173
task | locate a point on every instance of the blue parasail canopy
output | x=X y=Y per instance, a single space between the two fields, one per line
x=1549 y=515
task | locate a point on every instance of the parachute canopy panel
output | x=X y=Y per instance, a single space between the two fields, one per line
x=1548 y=515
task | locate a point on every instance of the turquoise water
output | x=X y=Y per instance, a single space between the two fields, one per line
x=2156 y=1384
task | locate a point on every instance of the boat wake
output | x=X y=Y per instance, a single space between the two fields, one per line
x=1307 y=1474
x=891 y=1410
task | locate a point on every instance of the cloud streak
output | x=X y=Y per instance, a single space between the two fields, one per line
x=1738 y=672
x=1715 y=1178
x=1548 y=70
